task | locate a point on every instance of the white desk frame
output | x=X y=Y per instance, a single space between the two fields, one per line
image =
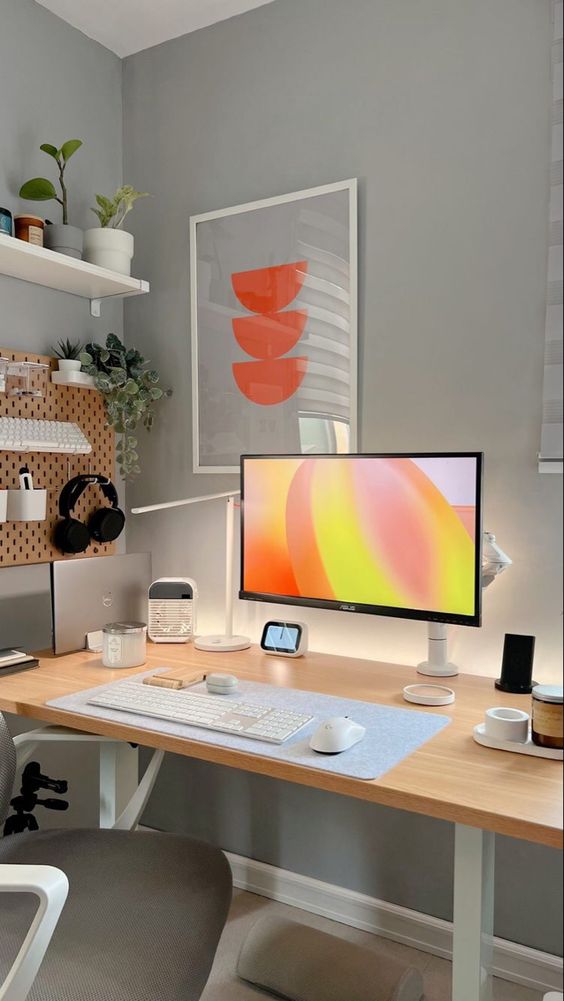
x=122 y=796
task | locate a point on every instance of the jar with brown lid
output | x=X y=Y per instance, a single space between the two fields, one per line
x=548 y=716
x=29 y=228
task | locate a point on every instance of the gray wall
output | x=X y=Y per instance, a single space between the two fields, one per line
x=442 y=110
x=55 y=84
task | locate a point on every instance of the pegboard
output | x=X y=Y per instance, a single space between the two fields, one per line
x=26 y=542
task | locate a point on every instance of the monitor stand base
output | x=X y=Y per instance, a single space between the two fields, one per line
x=437 y=664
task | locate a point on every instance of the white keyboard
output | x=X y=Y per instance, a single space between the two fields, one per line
x=211 y=712
x=20 y=434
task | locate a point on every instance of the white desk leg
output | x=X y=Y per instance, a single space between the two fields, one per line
x=119 y=779
x=473 y=914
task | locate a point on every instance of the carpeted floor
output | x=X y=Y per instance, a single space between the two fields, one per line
x=248 y=908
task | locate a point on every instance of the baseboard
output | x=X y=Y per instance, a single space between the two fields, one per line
x=516 y=963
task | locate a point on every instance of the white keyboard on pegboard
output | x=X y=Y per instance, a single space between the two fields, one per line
x=21 y=434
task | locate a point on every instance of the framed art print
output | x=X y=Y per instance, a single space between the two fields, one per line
x=274 y=327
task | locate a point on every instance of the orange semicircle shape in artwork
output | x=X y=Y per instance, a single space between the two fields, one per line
x=269 y=336
x=268 y=290
x=270 y=382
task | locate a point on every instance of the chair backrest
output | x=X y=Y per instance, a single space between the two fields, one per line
x=7 y=768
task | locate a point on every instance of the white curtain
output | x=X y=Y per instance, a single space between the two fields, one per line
x=550 y=459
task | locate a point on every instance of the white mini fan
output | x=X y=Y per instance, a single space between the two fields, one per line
x=172 y=610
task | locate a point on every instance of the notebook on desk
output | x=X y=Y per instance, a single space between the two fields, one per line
x=12 y=661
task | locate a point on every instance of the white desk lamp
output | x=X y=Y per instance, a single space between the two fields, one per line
x=224 y=642
x=437 y=665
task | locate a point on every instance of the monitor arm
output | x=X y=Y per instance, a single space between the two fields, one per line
x=437 y=664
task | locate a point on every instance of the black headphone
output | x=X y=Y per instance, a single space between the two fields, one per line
x=105 y=525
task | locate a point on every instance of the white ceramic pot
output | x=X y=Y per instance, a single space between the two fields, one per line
x=67 y=365
x=109 y=248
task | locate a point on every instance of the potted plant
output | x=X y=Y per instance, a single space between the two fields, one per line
x=68 y=354
x=130 y=390
x=63 y=238
x=110 y=246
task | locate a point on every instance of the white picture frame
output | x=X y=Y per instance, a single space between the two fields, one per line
x=242 y=233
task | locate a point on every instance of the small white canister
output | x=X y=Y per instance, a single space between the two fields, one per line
x=507 y=724
x=125 y=645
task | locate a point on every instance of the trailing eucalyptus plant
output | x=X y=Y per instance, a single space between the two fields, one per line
x=39 y=189
x=130 y=390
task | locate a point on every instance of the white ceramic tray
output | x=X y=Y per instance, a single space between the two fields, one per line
x=73 y=379
x=513 y=745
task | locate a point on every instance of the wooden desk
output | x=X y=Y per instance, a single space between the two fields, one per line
x=451 y=777
x=482 y=791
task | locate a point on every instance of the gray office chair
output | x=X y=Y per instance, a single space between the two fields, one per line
x=141 y=922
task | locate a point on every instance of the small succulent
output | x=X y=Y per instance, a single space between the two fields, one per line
x=112 y=211
x=67 y=349
x=130 y=390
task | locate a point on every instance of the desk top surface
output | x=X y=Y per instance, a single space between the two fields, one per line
x=450 y=777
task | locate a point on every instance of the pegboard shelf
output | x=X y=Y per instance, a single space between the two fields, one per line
x=39 y=266
x=79 y=380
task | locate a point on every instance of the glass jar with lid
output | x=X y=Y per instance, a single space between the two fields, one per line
x=548 y=716
x=125 y=645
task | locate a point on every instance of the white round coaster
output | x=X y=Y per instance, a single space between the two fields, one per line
x=429 y=695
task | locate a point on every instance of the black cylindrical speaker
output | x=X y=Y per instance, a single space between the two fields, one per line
x=517 y=665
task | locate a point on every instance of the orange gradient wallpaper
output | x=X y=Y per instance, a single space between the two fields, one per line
x=395 y=532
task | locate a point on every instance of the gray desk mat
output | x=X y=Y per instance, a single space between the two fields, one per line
x=391 y=734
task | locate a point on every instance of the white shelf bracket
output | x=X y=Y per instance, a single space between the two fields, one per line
x=95 y=307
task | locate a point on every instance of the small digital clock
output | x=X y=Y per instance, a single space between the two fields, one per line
x=284 y=639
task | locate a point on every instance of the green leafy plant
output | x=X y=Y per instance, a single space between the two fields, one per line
x=112 y=211
x=130 y=390
x=67 y=349
x=39 y=189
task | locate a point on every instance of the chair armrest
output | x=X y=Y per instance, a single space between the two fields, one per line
x=51 y=887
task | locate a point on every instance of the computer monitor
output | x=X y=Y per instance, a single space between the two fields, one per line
x=396 y=535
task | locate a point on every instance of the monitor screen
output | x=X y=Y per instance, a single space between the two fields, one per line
x=387 y=534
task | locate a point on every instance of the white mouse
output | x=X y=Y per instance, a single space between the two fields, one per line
x=336 y=735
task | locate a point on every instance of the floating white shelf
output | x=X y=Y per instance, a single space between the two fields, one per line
x=79 y=380
x=29 y=263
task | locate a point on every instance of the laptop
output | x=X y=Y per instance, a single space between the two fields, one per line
x=88 y=594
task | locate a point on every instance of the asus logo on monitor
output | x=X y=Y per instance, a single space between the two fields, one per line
x=347 y=608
